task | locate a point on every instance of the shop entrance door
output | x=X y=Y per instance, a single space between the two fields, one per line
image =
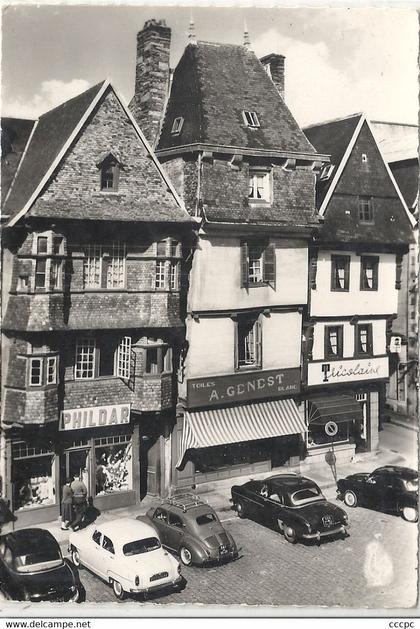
x=76 y=463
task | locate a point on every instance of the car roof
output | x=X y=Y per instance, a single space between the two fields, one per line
x=124 y=530
x=26 y=541
x=403 y=472
x=184 y=503
x=290 y=481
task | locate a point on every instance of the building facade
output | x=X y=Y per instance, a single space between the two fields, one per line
x=355 y=281
x=245 y=169
x=93 y=245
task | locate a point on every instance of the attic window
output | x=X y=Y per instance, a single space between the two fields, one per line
x=251 y=119
x=110 y=173
x=364 y=158
x=177 y=126
x=326 y=172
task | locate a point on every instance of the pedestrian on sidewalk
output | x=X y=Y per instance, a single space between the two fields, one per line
x=66 y=505
x=79 y=492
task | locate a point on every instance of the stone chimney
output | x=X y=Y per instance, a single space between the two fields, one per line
x=152 y=77
x=274 y=66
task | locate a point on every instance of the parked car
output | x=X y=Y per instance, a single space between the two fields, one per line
x=191 y=528
x=292 y=503
x=32 y=568
x=391 y=488
x=127 y=554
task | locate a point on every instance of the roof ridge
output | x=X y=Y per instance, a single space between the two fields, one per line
x=325 y=122
x=399 y=124
x=214 y=43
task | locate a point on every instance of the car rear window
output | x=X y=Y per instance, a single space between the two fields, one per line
x=45 y=559
x=303 y=496
x=140 y=546
x=206 y=518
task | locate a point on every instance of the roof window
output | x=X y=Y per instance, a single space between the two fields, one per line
x=251 y=119
x=177 y=126
x=326 y=172
x=364 y=158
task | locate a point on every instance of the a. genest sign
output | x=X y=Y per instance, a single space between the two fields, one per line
x=95 y=417
x=352 y=370
x=242 y=386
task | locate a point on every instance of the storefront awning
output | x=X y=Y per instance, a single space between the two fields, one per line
x=336 y=408
x=262 y=420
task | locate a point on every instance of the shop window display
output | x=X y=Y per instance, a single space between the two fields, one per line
x=113 y=465
x=318 y=437
x=33 y=482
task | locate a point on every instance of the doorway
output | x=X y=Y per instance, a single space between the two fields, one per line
x=76 y=463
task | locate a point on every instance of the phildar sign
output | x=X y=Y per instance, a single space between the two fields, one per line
x=95 y=417
x=241 y=387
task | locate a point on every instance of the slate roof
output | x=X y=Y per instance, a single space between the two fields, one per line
x=15 y=133
x=331 y=138
x=51 y=133
x=341 y=222
x=212 y=84
x=406 y=173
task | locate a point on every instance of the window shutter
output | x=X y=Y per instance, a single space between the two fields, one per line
x=270 y=265
x=258 y=342
x=346 y=273
x=244 y=265
x=369 y=339
x=309 y=342
x=313 y=263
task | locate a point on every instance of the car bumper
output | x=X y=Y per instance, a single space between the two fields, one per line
x=335 y=531
x=158 y=586
x=221 y=557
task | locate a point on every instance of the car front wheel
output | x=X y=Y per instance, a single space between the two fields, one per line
x=185 y=555
x=75 y=557
x=118 y=590
x=240 y=509
x=410 y=514
x=80 y=594
x=350 y=498
x=290 y=534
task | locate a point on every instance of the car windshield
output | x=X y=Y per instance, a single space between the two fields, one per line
x=412 y=484
x=45 y=559
x=141 y=546
x=206 y=518
x=306 y=495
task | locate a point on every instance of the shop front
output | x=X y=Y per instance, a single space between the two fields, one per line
x=100 y=445
x=243 y=424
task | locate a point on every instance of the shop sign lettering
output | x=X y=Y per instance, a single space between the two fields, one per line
x=95 y=417
x=334 y=372
x=261 y=385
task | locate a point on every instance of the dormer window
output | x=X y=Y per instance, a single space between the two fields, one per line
x=177 y=126
x=110 y=172
x=259 y=190
x=326 y=172
x=251 y=119
x=365 y=210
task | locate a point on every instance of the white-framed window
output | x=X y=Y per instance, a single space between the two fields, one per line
x=85 y=359
x=51 y=375
x=326 y=172
x=177 y=126
x=41 y=273
x=35 y=372
x=110 y=172
x=104 y=266
x=248 y=342
x=160 y=274
x=56 y=274
x=158 y=357
x=258 y=262
x=255 y=263
x=124 y=358
x=174 y=278
x=365 y=209
x=251 y=119
x=259 y=186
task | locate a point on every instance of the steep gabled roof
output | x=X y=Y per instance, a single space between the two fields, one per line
x=53 y=136
x=15 y=133
x=406 y=173
x=52 y=131
x=332 y=138
x=212 y=85
x=337 y=199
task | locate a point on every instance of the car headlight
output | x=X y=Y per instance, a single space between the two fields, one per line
x=345 y=518
x=179 y=568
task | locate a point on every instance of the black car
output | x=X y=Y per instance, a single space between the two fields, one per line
x=293 y=503
x=392 y=489
x=32 y=568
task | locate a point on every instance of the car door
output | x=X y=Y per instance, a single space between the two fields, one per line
x=89 y=551
x=374 y=490
x=274 y=508
x=160 y=520
x=175 y=530
x=258 y=499
x=107 y=556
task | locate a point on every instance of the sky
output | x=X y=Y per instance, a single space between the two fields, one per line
x=338 y=61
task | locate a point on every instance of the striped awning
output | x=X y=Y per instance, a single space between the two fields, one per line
x=220 y=426
x=337 y=408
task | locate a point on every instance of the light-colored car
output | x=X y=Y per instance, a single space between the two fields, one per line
x=127 y=554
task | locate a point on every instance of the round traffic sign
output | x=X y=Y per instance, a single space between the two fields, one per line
x=331 y=429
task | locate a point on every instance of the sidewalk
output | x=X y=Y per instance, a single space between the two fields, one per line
x=219 y=498
x=411 y=423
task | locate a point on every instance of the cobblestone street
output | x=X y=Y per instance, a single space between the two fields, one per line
x=353 y=572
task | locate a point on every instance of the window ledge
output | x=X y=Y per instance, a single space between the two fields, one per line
x=246 y=368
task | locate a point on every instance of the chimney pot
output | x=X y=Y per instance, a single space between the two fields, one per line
x=274 y=66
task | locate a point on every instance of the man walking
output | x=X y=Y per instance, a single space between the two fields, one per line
x=79 y=492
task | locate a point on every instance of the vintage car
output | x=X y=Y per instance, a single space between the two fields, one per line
x=32 y=568
x=391 y=489
x=191 y=528
x=292 y=503
x=128 y=555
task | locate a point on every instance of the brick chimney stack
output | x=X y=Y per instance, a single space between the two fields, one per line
x=274 y=66
x=152 y=77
